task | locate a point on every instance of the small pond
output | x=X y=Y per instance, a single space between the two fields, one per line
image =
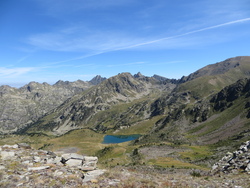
x=114 y=139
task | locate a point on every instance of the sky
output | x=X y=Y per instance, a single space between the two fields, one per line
x=51 y=40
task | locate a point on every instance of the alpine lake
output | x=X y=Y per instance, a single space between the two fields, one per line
x=115 y=139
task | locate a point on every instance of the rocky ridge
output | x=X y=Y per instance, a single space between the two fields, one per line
x=22 y=166
x=238 y=161
x=217 y=68
x=181 y=116
x=22 y=106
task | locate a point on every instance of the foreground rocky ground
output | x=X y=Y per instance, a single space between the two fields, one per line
x=22 y=166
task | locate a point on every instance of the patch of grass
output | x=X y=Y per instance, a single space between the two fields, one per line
x=141 y=127
x=196 y=153
x=115 y=154
x=168 y=162
x=86 y=140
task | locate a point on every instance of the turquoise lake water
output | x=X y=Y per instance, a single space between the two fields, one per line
x=114 y=139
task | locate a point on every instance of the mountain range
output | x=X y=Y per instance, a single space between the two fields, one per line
x=22 y=106
x=205 y=107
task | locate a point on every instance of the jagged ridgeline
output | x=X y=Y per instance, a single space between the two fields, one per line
x=117 y=102
x=25 y=105
x=209 y=105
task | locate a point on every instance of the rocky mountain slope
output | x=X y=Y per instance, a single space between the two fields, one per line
x=115 y=99
x=22 y=106
x=231 y=64
x=214 y=77
x=205 y=120
x=191 y=110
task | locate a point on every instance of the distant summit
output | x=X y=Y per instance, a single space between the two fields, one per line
x=160 y=78
x=139 y=75
x=97 y=80
x=238 y=64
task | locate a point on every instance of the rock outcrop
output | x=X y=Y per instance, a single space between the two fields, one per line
x=23 y=166
x=238 y=161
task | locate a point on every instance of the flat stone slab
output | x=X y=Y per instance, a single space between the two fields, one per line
x=38 y=168
x=2 y=167
x=92 y=175
x=74 y=162
x=15 y=146
x=7 y=154
x=68 y=156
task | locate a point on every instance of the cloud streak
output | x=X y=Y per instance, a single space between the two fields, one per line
x=185 y=34
x=105 y=42
x=14 y=72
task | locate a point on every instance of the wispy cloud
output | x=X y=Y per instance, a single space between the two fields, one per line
x=104 y=42
x=14 y=72
x=81 y=40
x=23 y=59
x=187 y=33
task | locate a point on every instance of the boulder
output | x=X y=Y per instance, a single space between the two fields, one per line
x=74 y=163
x=7 y=154
x=68 y=156
x=15 y=146
x=2 y=167
x=37 y=159
x=248 y=168
x=24 y=146
x=89 y=163
x=92 y=175
x=56 y=160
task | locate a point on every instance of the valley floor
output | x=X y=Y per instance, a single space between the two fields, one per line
x=163 y=165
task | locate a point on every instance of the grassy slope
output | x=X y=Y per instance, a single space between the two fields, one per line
x=225 y=120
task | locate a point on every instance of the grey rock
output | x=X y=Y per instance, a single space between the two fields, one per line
x=38 y=168
x=74 y=163
x=248 y=167
x=7 y=154
x=93 y=175
x=89 y=163
x=15 y=146
x=37 y=159
x=24 y=146
x=56 y=160
x=233 y=163
x=2 y=167
x=58 y=173
x=68 y=156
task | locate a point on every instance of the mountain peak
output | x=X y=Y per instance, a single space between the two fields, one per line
x=218 y=68
x=97 y=80
x=139 y=75
x=61 y=82
x=160 y=78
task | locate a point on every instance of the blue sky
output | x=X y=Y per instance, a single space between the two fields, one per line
x=51 y=40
